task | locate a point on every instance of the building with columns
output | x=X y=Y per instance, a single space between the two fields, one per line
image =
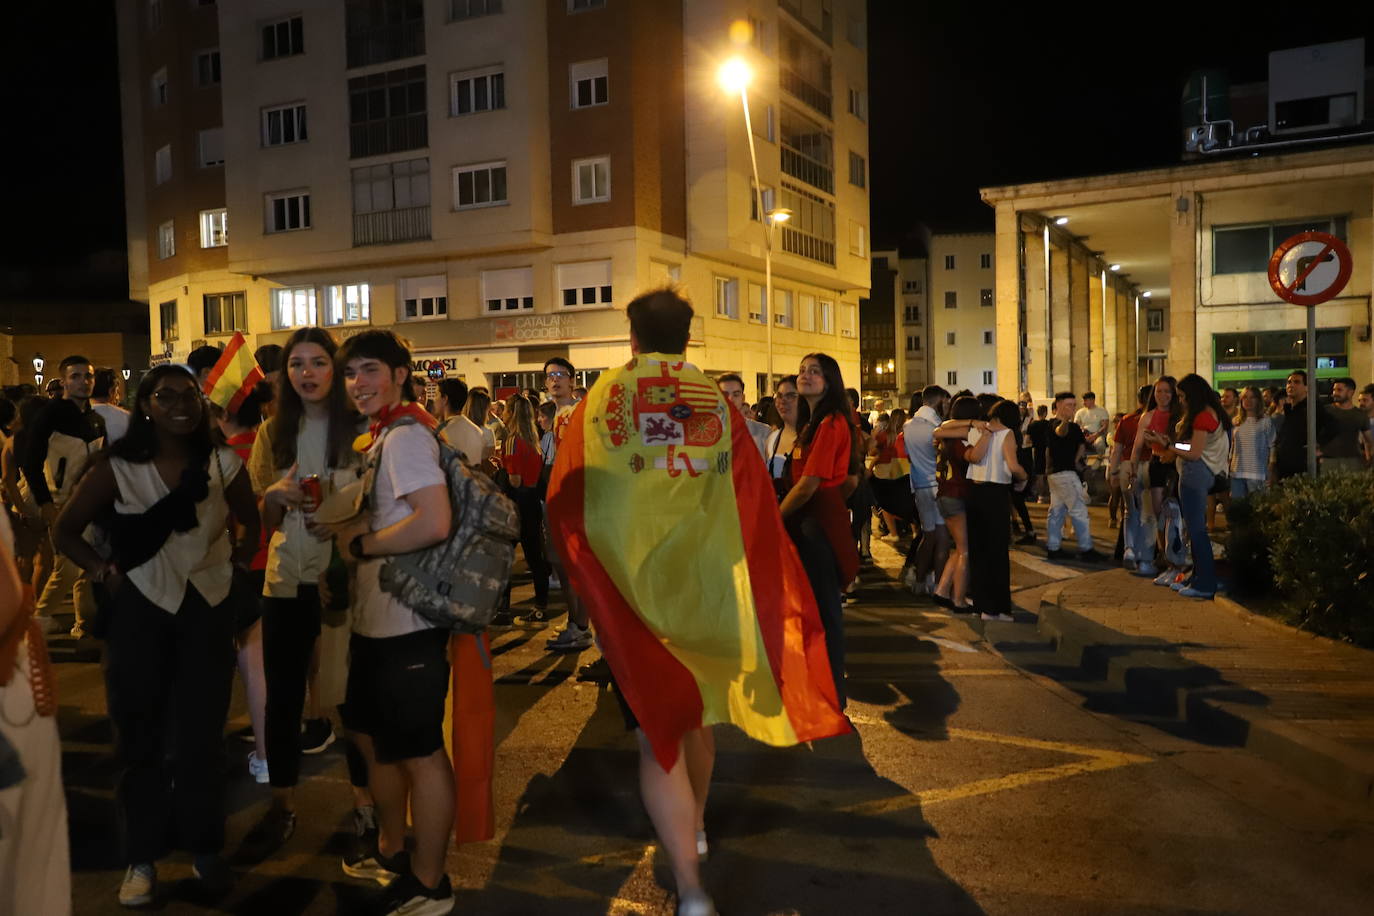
x=1107 y=281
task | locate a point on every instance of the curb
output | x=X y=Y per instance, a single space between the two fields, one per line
x=1158 y=680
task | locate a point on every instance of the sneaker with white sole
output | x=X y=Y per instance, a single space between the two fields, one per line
x=316 y=735
x=572 y=639
x=695 y=903
x=139 y=885
x=1003 y=618
x=406 y=896
x=370 y=865
x=1166 y=578
x=257 y=768
x=1146 y=570
x=1191 y=592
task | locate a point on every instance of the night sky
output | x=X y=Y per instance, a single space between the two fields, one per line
x=962 y=95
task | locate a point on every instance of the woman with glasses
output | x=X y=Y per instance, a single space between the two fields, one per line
x=164 y=492
x=781 y=440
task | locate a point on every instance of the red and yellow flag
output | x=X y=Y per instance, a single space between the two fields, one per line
x=234 y=376
x=668 y=528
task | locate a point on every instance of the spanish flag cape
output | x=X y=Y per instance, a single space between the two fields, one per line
x=669 y=530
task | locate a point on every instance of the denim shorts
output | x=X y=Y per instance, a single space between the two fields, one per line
x=927 y=507
x=951 y=506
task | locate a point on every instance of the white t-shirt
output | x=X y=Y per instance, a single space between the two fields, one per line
x=1093 y=420
x=409 y=462
x=463 y=435
x=116 y=421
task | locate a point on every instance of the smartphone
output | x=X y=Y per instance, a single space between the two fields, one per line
x=1183 y=446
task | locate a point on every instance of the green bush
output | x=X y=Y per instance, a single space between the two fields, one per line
x=1313 y=542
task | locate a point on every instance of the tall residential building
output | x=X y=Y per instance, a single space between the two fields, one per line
x=495 y=179
x=963 y=325
x=914 y=371
x=893 y=330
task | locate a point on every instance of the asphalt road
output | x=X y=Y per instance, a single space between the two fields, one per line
x=969 y=786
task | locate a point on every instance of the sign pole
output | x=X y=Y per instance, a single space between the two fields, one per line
x=1312 y=407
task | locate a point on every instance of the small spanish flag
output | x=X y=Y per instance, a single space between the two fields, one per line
x=234 y=376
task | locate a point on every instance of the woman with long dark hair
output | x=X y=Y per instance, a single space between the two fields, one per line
x=783 y=405
x=522 y=462
x=992 y=469
x=824 y=458
x=163 y=491
x=1162 y=414
x=310 y=436
x=1202 y=445
x=951 y=472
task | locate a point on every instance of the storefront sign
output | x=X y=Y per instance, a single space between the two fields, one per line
x=533 y=327
x=1242 y=367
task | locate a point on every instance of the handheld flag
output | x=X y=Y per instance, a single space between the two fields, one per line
x=233 y=377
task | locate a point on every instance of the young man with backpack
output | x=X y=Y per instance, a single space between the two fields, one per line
x=399 y=673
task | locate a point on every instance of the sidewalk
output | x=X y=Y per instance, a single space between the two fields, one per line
x=1305 y=702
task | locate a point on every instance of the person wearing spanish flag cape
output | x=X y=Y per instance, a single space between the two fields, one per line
x=671 y=531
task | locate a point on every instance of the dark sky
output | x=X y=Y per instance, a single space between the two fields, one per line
x=962 y=94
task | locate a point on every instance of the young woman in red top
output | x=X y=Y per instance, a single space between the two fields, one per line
x=951 y=471
x=1161 y=414
x=824 y=470
x=522 y=462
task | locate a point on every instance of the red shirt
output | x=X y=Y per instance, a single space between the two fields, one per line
x=886 y=451
x=1206 y=421
x=827 y=457
x=1125 y=432
x=522 y=459
x=1159 y=423
x=954 y=482
x=242 y=444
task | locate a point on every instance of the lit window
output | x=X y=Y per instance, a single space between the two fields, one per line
x=225 y=313
x=423 y=298
x=347 y=303
x=166 y=240
x=826 y=313
x=482 y=185
x=510 y=290
x=214 y=228
x=477 y=90
x=727 y=297
x=283 y=124
x=589 y=84
x=588 y=283
x=294 y=307
x=985 y=298
x=592 y=180
x=167 y=319
x=288 y=211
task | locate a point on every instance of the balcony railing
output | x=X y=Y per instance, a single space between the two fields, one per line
x=808 y=246
x=816 y=97
x=386 y=226
x=812 y=171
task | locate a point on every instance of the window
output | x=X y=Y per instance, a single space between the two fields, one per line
x=949 y=262
x=1154 y=366
x=949 y=338
x=951 y=299
x=477 y=90
x=849 y=320
x=214 y=228
x=284 y=124
x=283 y=38
x=423 y=298
x=765 y=125
x=162 y=165
x=589 y=83
x=858 y=244
x=951 y=378
x=987 y=337
x=391 y=202
x=858 y=103
x=857 y=170
x=207 y=68
x=591 y=180
x=987 y=376
x=225 y=313
x=825 y=313
x=985 y=298
x=167 y=319
x=160 y=88
x=758 y=33
x=588 y=283
x=1154 y=319
x=509 y=290
x=911 y=286
x=210 y=147
x=482 y=185
x=985 y=261
x=913 y=314
x=727 y=297
x=810 y=233
x=662 y=273
x=756 y=303
x=347 y=303
x=471 y=9
x=770 y=196
x=806 y=312
x=294 y=307
x=288 y=210
x=166 y=240
x=376 y=31
x=783 y=316
x=577 y=6
x=386 y=112
x=854 y=30
x=913 y=343
x=1247 y=249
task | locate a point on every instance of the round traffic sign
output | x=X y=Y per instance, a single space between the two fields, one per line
x=435 y=370
x=1310 y=268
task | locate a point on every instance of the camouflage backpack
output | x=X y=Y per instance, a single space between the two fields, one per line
x=458 y=583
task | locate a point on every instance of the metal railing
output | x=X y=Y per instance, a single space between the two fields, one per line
x=813 y=247
x=798 y=86
x=386 y=226
x=812 y=171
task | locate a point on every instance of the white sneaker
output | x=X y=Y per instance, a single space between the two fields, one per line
x=703 y=848
x=257 y=768
x=572 y=639
x=139 y=885
x=695 y=903
x=909 y=579
x=1166 y=578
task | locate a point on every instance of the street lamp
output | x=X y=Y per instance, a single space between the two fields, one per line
x=38 y=362
x=734 y=75
x=38 y=380
x=126 y=372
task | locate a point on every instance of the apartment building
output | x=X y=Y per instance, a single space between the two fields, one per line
x=495 y=179
x=913 y=333
x=963 y=320
x=894 y=334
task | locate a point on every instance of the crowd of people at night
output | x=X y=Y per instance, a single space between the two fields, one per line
x=191 y=543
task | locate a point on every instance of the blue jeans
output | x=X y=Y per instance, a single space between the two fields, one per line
x=1194 y=481
x=1067 y=498
x=1143 y=523
x=1240 y=489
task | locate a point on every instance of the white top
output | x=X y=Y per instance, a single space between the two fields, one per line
x=1092 y=419
x=409 y=462
x=467 y=438
x=760 y=433
x=993 y=468
x=199 y=556
x=116 y=421
x=1253 y=440
x=775 y=460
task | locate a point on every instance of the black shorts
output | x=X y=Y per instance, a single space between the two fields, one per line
x=1161 y=473
x=396 y=692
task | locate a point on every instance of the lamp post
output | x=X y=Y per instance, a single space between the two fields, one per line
x=37 y=362
x=734 y=76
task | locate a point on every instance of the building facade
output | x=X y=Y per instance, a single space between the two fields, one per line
x=963 y=326
x=913 y=332
x=495 y=179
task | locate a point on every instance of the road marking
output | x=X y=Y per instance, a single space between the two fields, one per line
x=1093 y=760
x=1044 y=567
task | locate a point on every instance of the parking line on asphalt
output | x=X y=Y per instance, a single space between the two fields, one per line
x=1092 y=760
x=1044 y=567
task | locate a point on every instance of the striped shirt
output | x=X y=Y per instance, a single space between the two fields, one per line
x=1251 y=443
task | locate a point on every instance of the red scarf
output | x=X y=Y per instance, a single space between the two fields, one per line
x=389 y=415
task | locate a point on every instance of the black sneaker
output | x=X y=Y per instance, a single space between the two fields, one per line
x=1059 y=553
x=1091 y=556
x=502 y=619
x=370 y=865
x=406 y=896
x=268 y=835
x=316 y=735
x=597 y=672
x=536 y=618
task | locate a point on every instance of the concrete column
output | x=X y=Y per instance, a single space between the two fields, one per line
x=1183 y=281
x=1037 y=291
x=1007 y=272
x=1109 y=393
x=1097 y=381
x=1080 y=328
x=1125 y=364
x=1061 y=321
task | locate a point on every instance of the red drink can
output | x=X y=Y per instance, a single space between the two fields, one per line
x=313 y=494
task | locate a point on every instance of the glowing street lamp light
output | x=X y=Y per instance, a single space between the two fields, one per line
x=735 y=75
x=38 y=363
x=126 y=372
x=38 y=380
